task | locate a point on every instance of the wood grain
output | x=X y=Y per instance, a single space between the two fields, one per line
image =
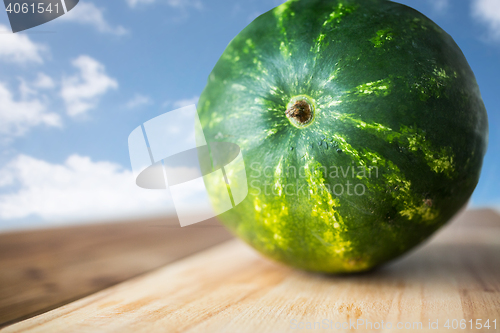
x=230 y=288
x=44 y=269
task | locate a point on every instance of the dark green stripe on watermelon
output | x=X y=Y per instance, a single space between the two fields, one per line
x=392 y=93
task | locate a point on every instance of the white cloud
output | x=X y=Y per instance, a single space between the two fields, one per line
x=439 y=5
x=179 y=4
x=81 y=91
x=17 y=116
x=26 y=90
x=183 y=102
x=138 y=100
x=18 y=48
x=77 y=190
x=488 y=13
x=43 y=81
x=88 y=13
x=133 y=3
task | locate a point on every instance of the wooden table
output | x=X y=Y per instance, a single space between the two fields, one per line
x=44 y=269
x=231 y=288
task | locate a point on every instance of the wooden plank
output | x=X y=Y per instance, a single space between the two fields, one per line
x=230 y=288
x=44 y=269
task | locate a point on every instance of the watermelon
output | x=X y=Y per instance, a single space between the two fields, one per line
x=361 y=126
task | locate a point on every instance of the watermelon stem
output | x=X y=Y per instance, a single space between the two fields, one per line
x=300 y=111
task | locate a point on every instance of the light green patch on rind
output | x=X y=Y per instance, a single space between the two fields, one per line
x=440 y=160
x=325 y=208
x=320 y=41
x=335 y=17
x=323 y=204
x=381 y=37
x=281 y=13
x=285 y=52
x=433 y=85
x=376 y=88
x=272 y=216
x=419 y=24
x=331 y=231
x=333 y=75
x=247 y=51
x=333 y=20
x=426 y=86
x=408 y=203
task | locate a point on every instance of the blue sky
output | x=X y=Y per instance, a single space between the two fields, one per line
x=73 y=89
